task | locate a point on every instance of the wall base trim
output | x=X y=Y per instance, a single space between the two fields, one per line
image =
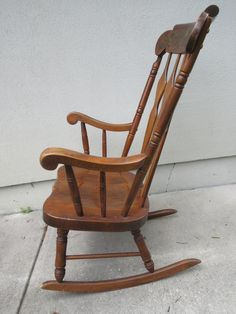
x=171 y=177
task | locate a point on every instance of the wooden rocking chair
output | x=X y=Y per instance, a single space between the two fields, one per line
x=102 y=194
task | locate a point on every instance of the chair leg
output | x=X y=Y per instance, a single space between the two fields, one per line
x=60 y=261
x=145 y=254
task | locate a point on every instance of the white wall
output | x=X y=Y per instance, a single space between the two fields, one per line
x=94 y=57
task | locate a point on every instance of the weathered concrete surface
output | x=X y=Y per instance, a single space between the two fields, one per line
x=20 y=236
x=13 y=198
x=204 y=227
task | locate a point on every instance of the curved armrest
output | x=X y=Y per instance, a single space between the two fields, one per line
x=51 y=157
x=74 y=117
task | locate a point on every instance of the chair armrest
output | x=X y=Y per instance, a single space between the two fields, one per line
x=51 y=157
x=74 y=117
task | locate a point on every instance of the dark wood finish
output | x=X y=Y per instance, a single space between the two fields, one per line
x=74 y=190
x=141 y=106
x=94 y=193
x=184 y=37
x=163 y=92
x=121 y=283
x=154 y=112
x=102 y=255
x=152 y=168
x=85 y=138
x=144 y=252
x=161 y=213
x=52 y=157
x=117 y=190
x=103 y=193
x=103 y=176
x=141 y=173
x=171 y=81
x=74 y=117
x=60 y=261
x=104 y=143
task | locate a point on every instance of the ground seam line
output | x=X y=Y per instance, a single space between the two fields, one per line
x=169 y=177
x=31 y=270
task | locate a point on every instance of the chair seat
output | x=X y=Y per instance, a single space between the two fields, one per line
x=59 y=210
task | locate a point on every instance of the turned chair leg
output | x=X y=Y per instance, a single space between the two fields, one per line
x=145 y=254
x=60 y=261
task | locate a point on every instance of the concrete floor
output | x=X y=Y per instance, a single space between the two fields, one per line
x=204 y=228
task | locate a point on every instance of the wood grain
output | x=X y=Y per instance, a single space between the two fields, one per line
x=103 y=176
x=85 y=138
x=74 y=117
x=74 y=190
x=154 y=112
x=60 y=261
x=102 y=255
x=52 y=157
x=120 y=283
x=59 y=208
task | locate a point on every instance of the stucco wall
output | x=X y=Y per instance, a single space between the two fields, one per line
x=94 y=57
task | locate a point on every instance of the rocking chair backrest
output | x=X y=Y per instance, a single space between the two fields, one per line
x=184 y=43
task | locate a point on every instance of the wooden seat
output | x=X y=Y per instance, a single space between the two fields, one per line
x=118 y=185
x=94 y=193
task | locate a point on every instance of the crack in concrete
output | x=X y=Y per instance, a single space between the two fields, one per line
x=169 y=177
x=31 y=270
x=17 y=213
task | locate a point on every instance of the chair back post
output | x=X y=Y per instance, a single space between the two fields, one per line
x=141 y=106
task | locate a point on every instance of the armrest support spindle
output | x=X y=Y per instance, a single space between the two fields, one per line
x=103 y=176
x=74 y=190
x=85 y=138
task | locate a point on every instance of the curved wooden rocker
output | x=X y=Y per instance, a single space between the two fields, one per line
x=94 y=193
x=115 y=284
x=161 y=213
